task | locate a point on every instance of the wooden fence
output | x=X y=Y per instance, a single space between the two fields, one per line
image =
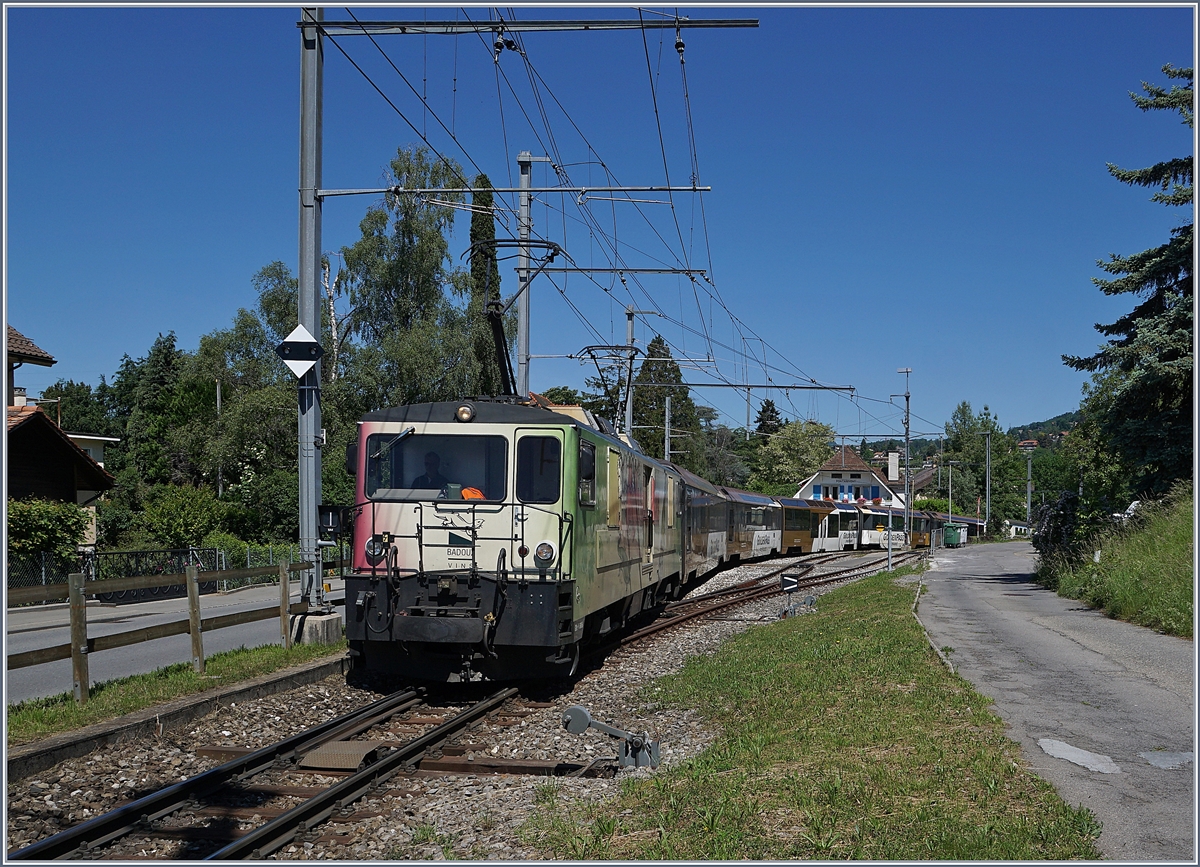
x=77 y=589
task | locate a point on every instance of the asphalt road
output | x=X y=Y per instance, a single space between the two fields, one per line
x=1102 y=709
x=37 y=626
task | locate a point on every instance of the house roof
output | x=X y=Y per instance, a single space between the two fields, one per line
x=23 y=350
x=846 y=458
x=94 y=475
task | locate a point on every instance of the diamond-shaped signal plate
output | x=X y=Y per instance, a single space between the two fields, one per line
x=299 y=351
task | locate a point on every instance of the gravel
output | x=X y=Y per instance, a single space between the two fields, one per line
x=417 y=817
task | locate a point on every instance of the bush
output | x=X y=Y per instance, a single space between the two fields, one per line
x=37 y=525
x=234 y=548
x=179 y=516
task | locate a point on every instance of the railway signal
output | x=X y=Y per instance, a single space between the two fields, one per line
x=299 y=351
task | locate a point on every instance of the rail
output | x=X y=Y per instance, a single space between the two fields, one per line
x=81 y=645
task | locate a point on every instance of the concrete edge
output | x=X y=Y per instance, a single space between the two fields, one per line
x=925 y=632
x=29 y=759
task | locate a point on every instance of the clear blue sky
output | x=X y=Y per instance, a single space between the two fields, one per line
x=896 y=187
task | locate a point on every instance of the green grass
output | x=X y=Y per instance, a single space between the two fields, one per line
x=35 y=719
x=843 y=737
x=1145 y=573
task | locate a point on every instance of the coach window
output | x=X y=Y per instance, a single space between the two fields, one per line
x=539 y=469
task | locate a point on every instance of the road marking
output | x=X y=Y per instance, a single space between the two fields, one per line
x=1167 y=761
x=1091 y=761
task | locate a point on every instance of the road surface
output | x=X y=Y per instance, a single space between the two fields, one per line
x=1102 y=709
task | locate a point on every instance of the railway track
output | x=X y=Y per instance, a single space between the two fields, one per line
x=260 y=801
x=289 y=787
x=706 y=605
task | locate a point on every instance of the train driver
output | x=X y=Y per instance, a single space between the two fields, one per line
x=432 y=477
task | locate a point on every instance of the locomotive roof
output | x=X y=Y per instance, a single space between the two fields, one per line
x=486 y=412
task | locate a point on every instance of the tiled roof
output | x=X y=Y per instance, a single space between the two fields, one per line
x=20 y=415
x=21 y=348
x=846 y=458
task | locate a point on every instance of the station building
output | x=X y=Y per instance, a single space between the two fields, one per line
x=847 y=478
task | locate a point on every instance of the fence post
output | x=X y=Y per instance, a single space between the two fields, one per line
x=284 y=607
x=79 y=661
x=194 y=627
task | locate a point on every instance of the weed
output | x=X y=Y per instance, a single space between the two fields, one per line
x=546 y=794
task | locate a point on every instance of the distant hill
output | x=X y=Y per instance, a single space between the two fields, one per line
x=1046 y=432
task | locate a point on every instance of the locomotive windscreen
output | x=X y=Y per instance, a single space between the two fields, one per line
x=433 y=466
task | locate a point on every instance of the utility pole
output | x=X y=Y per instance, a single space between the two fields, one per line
x=525 y=161
x=313 y=27
x=907 y=472
x=632 y=350
x=987 y=514
x=309 y=392
x=667 y=432
x=1028 y=488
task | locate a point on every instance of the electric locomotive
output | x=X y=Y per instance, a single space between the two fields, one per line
x=493 y=538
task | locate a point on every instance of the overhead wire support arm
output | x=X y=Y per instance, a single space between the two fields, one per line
x=454 y=28
x=437 y=191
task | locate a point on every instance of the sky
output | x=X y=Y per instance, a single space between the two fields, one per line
x=891 y=187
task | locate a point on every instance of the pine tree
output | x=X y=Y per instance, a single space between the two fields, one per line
x=768 y=420
x=1147 y=363
x=650 y=405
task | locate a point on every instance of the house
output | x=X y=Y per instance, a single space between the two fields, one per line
x=847 y=478
x=43 y=461
x=21 y=351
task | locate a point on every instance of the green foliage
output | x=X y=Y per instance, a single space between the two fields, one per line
x=485 y=287
x=1143 y=406
x=82 y=409
x=1145 y=570
x=179 y=516
x=931 y=504
x=966 y=445
x=36 y=719
x=768 y=421
x=563 y=395
x=649 y=409
x=36 y=526
x=790 y=456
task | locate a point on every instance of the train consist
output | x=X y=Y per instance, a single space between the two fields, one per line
x=496 y=538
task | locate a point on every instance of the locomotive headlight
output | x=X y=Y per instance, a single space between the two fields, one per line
x=544 y=553
x=375 y=549
x=465 y=412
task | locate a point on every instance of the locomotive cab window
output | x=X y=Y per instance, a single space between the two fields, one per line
x=436 y=467
x=539 y=469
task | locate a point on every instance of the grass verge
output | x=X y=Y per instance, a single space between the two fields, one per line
x=31 y=720
x=1145 y=574
x=843 y=737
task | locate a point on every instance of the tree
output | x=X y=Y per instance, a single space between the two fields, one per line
x=83 y=411
x=396 y=273
x=864 y=451
x=796 y=452
x=1146 y=409
x=485 y=286
x=768 y=420
x=650 y=407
